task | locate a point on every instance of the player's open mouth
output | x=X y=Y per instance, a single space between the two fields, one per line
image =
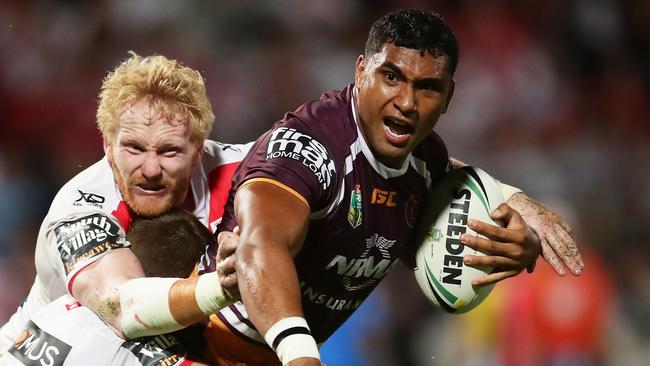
x=397 y=133
x=150 y=189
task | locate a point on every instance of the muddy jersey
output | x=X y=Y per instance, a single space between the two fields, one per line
x=88 y=218
x=362 y=211
x=64 y=333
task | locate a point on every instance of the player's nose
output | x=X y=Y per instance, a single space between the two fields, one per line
x=151 y=168
x=405 y=100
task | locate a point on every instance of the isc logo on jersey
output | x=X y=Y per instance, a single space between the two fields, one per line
x=289 y=143
x=35 y=347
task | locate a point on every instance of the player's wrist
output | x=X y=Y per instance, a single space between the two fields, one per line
x=291 y=339
x=161 y=305
x=144 y=306
x=209 y=295
x=507 y=191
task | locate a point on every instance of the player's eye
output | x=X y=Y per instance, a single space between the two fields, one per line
x=133 y=148
x=390 y=77
x=170 y=152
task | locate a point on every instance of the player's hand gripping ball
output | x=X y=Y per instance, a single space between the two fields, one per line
x=463 y=194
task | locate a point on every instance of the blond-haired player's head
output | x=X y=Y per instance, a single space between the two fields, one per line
x=167 y=84
x=154 y=115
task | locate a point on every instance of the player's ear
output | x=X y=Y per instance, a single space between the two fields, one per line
x=359 y=69
x=452 y=87
x=198 y=153
x=106 y=144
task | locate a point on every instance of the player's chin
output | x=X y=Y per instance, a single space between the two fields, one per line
x=392 y=155
x=148 y=206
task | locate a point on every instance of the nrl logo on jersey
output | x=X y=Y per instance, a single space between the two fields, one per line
x=354 y=213
x=289 y=143
x=365 y=270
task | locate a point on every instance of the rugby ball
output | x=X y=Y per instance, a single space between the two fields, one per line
x=462 y=194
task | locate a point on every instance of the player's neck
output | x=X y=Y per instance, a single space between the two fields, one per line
x=188 y=204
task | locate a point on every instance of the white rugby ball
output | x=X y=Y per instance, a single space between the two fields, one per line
x=463 y=194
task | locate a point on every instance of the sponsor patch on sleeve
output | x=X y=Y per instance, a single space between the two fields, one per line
x=161 y=350
x=87 y=237
x=289 y=143
x=36 y=347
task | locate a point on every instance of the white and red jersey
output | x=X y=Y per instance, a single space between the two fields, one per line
x=64 y=333
x=89 y=217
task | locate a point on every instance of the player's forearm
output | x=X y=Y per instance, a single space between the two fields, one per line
x=156 y=305
x=97 y=285
x=103 y=300
x=456 y=163
x=274 y=224
x=270 y=291
x=268 y=283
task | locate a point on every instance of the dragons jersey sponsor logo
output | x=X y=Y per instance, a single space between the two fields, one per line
x=289 y=143
x=366 y=270
x=36 y=347
x=85 y=238
x=161 y=350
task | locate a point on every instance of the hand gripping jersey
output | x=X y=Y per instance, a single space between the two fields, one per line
x=88 y=218
x=64 y=333
x=362 y=212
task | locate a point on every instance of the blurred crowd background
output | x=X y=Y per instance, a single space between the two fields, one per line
x=551 y=95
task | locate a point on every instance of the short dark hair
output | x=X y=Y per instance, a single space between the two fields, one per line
x=421 y=30
x=168 y=245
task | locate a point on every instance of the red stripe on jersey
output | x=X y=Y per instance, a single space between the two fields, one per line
x=220 y=182
x=72 y=305
x=123 y=215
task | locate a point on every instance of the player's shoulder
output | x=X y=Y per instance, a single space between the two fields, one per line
x=93 y=190
x=331 y=106
x=217 y=153
x=328 y=121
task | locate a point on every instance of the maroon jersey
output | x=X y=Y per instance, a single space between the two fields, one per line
x=362 y=211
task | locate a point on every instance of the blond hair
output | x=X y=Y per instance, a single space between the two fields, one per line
x=167 y=84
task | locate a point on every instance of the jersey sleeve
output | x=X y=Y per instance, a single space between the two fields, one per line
x=297 y=158
x=77 y=241
x=293 y=156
